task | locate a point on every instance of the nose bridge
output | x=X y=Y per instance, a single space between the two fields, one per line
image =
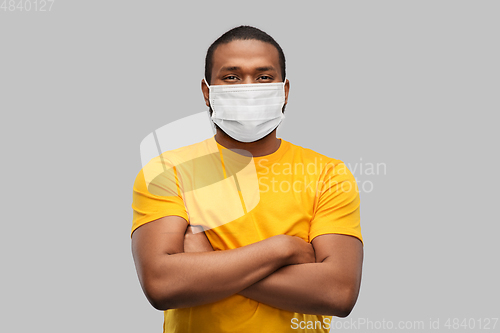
x=248 y=78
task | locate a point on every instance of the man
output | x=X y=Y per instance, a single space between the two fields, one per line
x=292 y=257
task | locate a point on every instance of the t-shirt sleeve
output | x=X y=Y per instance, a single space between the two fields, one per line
x=337 y=203
x=156 y=194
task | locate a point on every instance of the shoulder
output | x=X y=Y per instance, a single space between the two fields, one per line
x=190 y=152
x=325 y=167
x=311 y=156
x=164 y=163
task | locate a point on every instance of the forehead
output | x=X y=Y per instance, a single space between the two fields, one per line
x=246 y=54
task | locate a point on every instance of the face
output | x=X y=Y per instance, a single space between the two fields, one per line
x=244 y=62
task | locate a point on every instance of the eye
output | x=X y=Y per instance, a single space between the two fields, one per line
x=231 y=77
x=265 y=77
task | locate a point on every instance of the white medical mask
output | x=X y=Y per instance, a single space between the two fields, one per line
x=247 y=112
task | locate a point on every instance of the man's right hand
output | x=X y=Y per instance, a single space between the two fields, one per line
x=300 y=251
x=174 y=274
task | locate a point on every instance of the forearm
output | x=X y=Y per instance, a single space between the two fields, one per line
x=314 y=288
x=190 y=279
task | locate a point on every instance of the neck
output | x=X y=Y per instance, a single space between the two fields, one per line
x=265 y=146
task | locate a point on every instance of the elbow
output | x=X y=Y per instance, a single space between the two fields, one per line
x=344 y=311
x=347 y=303
x=160 y=304
x=159 y=297
x=341 y=304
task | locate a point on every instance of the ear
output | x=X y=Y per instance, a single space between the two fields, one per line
x=205 y=91
x=287 y=88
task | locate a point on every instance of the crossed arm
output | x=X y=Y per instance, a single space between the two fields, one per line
x=179 y=269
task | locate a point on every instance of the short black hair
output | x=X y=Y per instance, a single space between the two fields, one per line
x=243 y=32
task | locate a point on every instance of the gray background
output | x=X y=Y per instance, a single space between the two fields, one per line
x=412 y=84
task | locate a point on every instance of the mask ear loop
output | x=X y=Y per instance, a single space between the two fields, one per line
x=284 y=83
x=210 y=116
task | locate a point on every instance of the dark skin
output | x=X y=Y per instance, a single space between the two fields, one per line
x=244 y=62
x=282 y=271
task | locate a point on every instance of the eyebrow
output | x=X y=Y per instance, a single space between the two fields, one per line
x=266 y=68
x=259 y=69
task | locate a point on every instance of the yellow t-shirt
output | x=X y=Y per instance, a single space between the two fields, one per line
x=240 y=200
